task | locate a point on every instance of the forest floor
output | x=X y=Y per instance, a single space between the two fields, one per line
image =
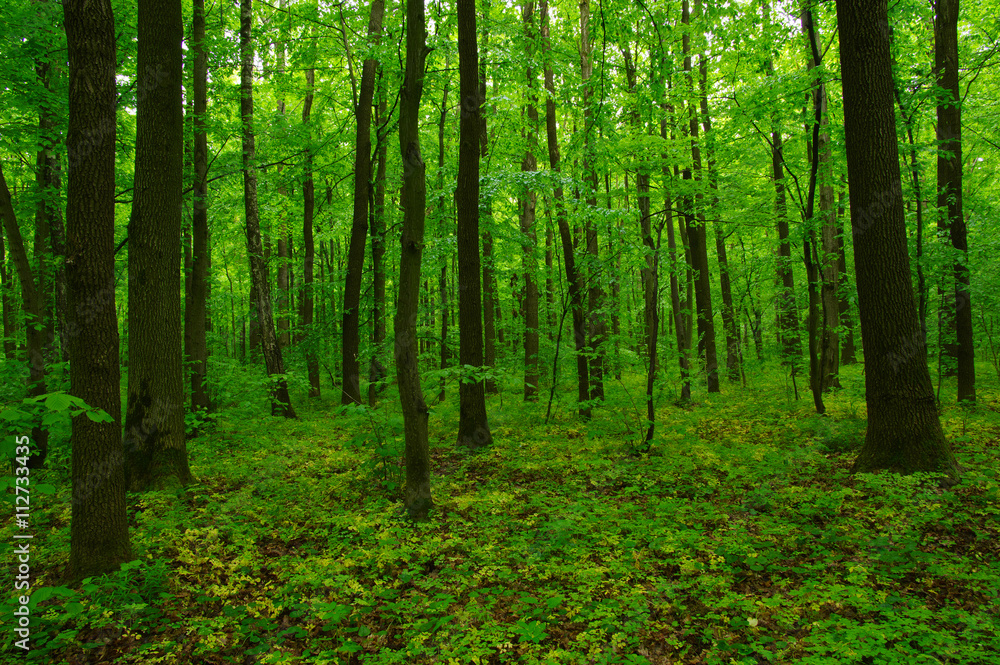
x=739 y=537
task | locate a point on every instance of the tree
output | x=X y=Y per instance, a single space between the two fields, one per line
x=350 y=362
x=528 y=208
x=260 y=291
x=904 y=433
x=99 y=540
x=473 y=425
x=573 y=280
x=155 y=448
x=413 y=198
x=949 y=198
x=196 y=322
x=307 y=301
x=33 y=303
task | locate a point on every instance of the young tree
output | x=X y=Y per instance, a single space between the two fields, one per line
x=307 y=301
x=528 y=208
x=350 y=362
x=413 y=198
x=949 y=199
x=904 y=432
x=99 y=540
x=7 y=304
x=155 y=448
x=575 y=284
x=260 y=290
x=473 y=425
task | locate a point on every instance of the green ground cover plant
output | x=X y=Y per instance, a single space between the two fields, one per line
x=739 y=536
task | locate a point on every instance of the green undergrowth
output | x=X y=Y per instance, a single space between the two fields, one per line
x=739 y=537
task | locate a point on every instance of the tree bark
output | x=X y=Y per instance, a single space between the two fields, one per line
x=413 y=198
x=155 y=447
x=596 y=326
x=308 y=300
x=949 y=199
x=376 y=370
x=572 y=277
x=904 y=433
x=196 y=314
x=529 y=264
x=7 y=303
x=281 y=404
x=697 y=238
x=99 y=540
x=350 y=362
x=473 y=425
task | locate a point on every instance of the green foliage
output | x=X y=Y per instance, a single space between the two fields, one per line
x=739 y=537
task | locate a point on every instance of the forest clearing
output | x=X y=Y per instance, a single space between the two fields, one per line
x=483 y=331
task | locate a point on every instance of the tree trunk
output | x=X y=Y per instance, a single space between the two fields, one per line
x=351 y=390
x=99 y=541
x=376 y=370
x=596 y=326
x=473 y=426
x=281 y=404
x=308 y=300
x=155 y=447
x=413 y=198
x=904 y=433
x=572 y=278
x=697 y=239
x=196 y=314
x=528 y=209
x=7 y=304
x=949 y=199
x=32 y=304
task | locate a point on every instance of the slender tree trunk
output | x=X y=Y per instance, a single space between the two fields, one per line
x=350 y=362
x=7 y=303
x=260 y=291
x=904 y=432
x=949 y=172
x=99 y=541
x=596 y=326
x=442 y=205
x=492 y=332
x=528 y=209
x=697 y=238
x=196 y=314
x=155 y=447
x=308 y=300
x=728 y=311
x=376 y=370
x=572 y=278
x=32 y=304
x=413 y=199
x=473 y=425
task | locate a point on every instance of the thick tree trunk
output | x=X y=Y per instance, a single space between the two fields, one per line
x=308 y=300
x=528 y=209
x=260 y=290
x=473 y=425
x=949 y=199
x=155 y=447
x=904 y=432
x=572 y=278
x=99 y=541
x=196 y=314
x=350 y=362
x=413 y=198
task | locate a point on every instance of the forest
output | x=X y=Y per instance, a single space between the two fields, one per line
x=542 y=331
